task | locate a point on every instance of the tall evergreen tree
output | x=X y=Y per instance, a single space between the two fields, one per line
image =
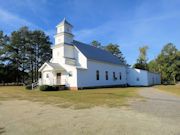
x=7 y=73
x=114 y=49
x=96 y=43
x=26 y=51
x=4 y=40
x=42 y=50
x=17 y=52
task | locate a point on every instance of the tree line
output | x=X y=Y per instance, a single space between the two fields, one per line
x=112 y=48
x=167 y=63
x=21 y=55
x=24 y=51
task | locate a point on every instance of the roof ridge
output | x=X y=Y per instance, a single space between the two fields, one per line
x=94 y=47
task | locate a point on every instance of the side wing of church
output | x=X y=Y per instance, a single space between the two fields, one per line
x=78 y=65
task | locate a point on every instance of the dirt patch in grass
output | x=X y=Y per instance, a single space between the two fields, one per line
x=2 y=130
x=22 y=117
x=111 y=97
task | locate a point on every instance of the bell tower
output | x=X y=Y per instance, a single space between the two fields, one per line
x=64 y=33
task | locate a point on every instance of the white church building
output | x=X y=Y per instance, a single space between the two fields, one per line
x=78 y=65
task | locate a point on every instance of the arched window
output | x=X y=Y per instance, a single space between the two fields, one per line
x=120 y=77
x=106 y=75
x=114 y=76
x=97 y=74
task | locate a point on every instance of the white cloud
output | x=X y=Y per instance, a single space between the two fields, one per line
x=10 y=21
x=117 y=29
x=105 y=29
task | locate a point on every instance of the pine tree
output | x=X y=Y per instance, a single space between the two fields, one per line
x=42 y=50
x=96 y=43
x=4 y=40
x=114 y=49
x=26 y=51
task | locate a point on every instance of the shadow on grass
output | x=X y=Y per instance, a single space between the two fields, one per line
x=2 y=130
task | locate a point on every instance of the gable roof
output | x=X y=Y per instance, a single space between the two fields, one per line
x=97 y=54
x=55 y=66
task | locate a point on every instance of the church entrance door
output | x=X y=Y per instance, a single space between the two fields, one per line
x=58 y=76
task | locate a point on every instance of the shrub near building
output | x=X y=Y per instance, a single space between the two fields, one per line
x=49 y=88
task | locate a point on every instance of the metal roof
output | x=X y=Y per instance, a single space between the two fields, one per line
x=97 y=54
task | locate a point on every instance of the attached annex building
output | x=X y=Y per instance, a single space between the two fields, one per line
x=78 y=65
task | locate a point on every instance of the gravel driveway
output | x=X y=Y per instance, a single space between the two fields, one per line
x=158 y=115
x=160 y=104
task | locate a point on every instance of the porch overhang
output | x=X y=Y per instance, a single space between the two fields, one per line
x=54 y=67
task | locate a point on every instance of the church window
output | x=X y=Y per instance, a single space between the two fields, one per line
x=114 y=76
x=70 y=74
x=97 y=75
x=120 y=77
x=59 y=30
x=47 y=75
x=106 y=75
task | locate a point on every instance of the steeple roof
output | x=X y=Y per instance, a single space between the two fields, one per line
x=64 y=21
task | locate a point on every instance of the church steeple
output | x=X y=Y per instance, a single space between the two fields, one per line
x=64 y=33
x=64 y=21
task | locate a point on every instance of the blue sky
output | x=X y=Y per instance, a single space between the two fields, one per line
x=129 y=23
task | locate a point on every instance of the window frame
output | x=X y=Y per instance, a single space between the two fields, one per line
x=106 y=75
x=47 y=75
x=120 y=76
x=114 y=76
x=97 y=75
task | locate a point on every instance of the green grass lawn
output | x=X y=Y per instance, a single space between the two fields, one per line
x=111 y=97
x=170 y=88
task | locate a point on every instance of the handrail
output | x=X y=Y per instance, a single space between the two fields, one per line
x=33 y=85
